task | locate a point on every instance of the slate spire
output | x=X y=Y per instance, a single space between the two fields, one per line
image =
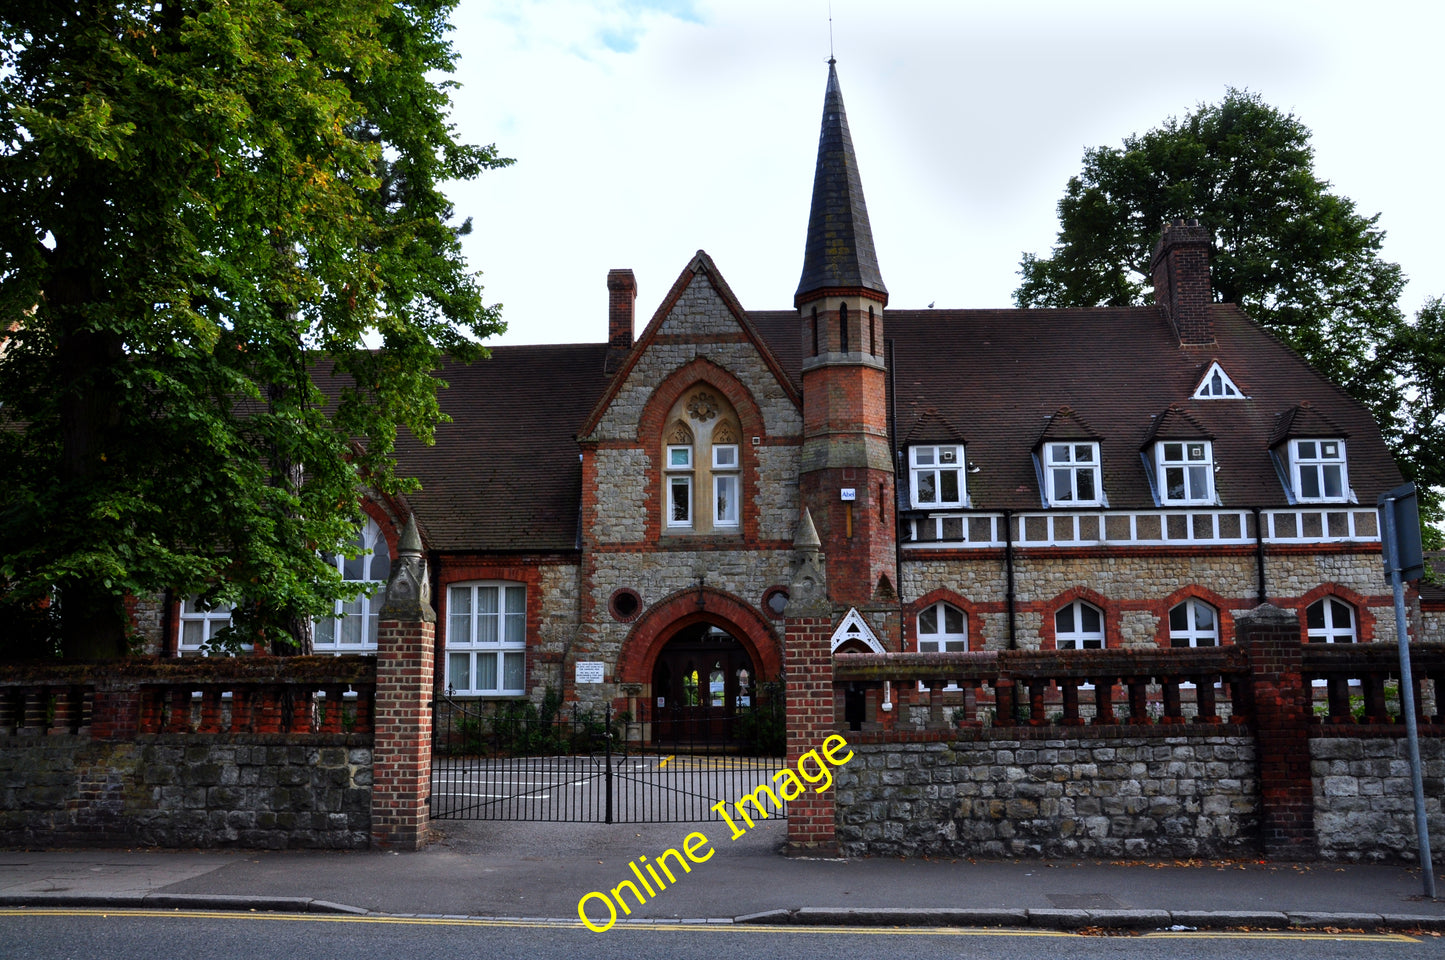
x=839 y=252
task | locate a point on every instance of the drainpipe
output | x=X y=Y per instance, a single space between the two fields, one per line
x=1259 y=556
x=1008 y=564
x=896 y=455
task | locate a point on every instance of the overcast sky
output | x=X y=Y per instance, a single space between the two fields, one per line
x=644 y=130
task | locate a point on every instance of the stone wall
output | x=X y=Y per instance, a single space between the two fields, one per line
x=269 y=791
x=1136 y=587
x=1178 y=796
x=1364 y=801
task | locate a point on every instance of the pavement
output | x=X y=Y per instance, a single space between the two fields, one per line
x=541 y=871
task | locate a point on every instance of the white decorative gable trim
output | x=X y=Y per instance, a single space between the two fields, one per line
x=1216 y=385
x=854 y=627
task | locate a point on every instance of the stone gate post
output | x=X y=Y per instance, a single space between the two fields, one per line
x=401 y=754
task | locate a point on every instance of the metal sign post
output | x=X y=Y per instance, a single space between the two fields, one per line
x=1404 y=560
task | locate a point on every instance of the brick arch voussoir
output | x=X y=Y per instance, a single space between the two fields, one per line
x=664 y=619
x=699 y=371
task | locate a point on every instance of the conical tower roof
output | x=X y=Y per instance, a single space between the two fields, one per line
x=839 y=251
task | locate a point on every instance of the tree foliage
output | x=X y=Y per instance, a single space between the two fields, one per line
x=205 y=207
x=1297 y=258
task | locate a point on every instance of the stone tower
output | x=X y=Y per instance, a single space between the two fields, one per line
x=847 y=469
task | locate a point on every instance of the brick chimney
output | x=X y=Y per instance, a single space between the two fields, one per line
x=1181 y=280
x=621 y=302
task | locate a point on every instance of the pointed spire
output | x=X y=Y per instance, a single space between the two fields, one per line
x=807 y=535
x=839 y=251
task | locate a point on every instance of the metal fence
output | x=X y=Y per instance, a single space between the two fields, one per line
x=522 y=763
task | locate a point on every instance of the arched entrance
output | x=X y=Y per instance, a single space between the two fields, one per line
x=703 y=683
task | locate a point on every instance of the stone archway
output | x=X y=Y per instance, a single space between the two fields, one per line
x=696 y=622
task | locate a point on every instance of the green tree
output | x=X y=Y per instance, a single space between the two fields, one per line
x=1294 y=256
x=206 y=208
x=1417 y=355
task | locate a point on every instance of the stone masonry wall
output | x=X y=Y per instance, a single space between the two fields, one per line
x=1364 y=801
x=1176 y=796
x=261 y=791
x=1138 y=586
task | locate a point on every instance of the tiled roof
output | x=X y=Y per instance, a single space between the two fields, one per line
x=1001 y=376
x=505 y=474
x=839 y=250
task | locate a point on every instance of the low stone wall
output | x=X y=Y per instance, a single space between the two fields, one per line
x=247 y=790
x=1192 y=794
x=1364 y=800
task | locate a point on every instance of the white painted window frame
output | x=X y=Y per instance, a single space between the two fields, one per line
x=1300 y=465
x=351 y=616
x=208 y=621
x=933 y=463
x=726 y=485
x=941 y=639
x=1163 y=464
x=1191 y=634
x=1072 y=466
x=476 y=636
x=678 y=479
x=1332 y=632
x=1080 y=639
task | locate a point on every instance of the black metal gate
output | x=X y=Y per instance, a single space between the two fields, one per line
x=519 y=763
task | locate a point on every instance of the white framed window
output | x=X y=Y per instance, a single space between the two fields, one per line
x=1330 y=620
x=936 y=474
x=725 y=485
x=1079 y=626
x=679 y=486
x=1318 y=471
x=1193 y=623
x=352 y=626
x=199 y=623
x=487 y=639
x=1216 y=385
x=1185 y=469
x=1071 y=474
x=942 y=628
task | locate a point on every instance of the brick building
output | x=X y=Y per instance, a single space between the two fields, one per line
x=623 y=521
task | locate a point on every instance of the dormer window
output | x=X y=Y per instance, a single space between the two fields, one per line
x=937 y=476
x=1185 y=471
x=1071 y=475
x=679 y=486
x=1317 y=471
x=1216 y=385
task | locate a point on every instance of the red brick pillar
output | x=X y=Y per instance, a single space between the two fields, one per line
x=401 y=751
x=811 y=717
x=1281 y=709
x=808 y=674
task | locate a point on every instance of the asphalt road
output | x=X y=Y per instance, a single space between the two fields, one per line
x=76 y=935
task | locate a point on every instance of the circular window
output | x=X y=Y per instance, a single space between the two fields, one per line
x=775 y=601
x=625 y=604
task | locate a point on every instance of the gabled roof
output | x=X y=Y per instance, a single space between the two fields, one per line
x=1303 y=420
x=1066 y=424
x=700 y=265
x=839 y=250
x=505 y=473
x=1176 y=423
x=932 y=427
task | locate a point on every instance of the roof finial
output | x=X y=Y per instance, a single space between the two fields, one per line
x=831 y=61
